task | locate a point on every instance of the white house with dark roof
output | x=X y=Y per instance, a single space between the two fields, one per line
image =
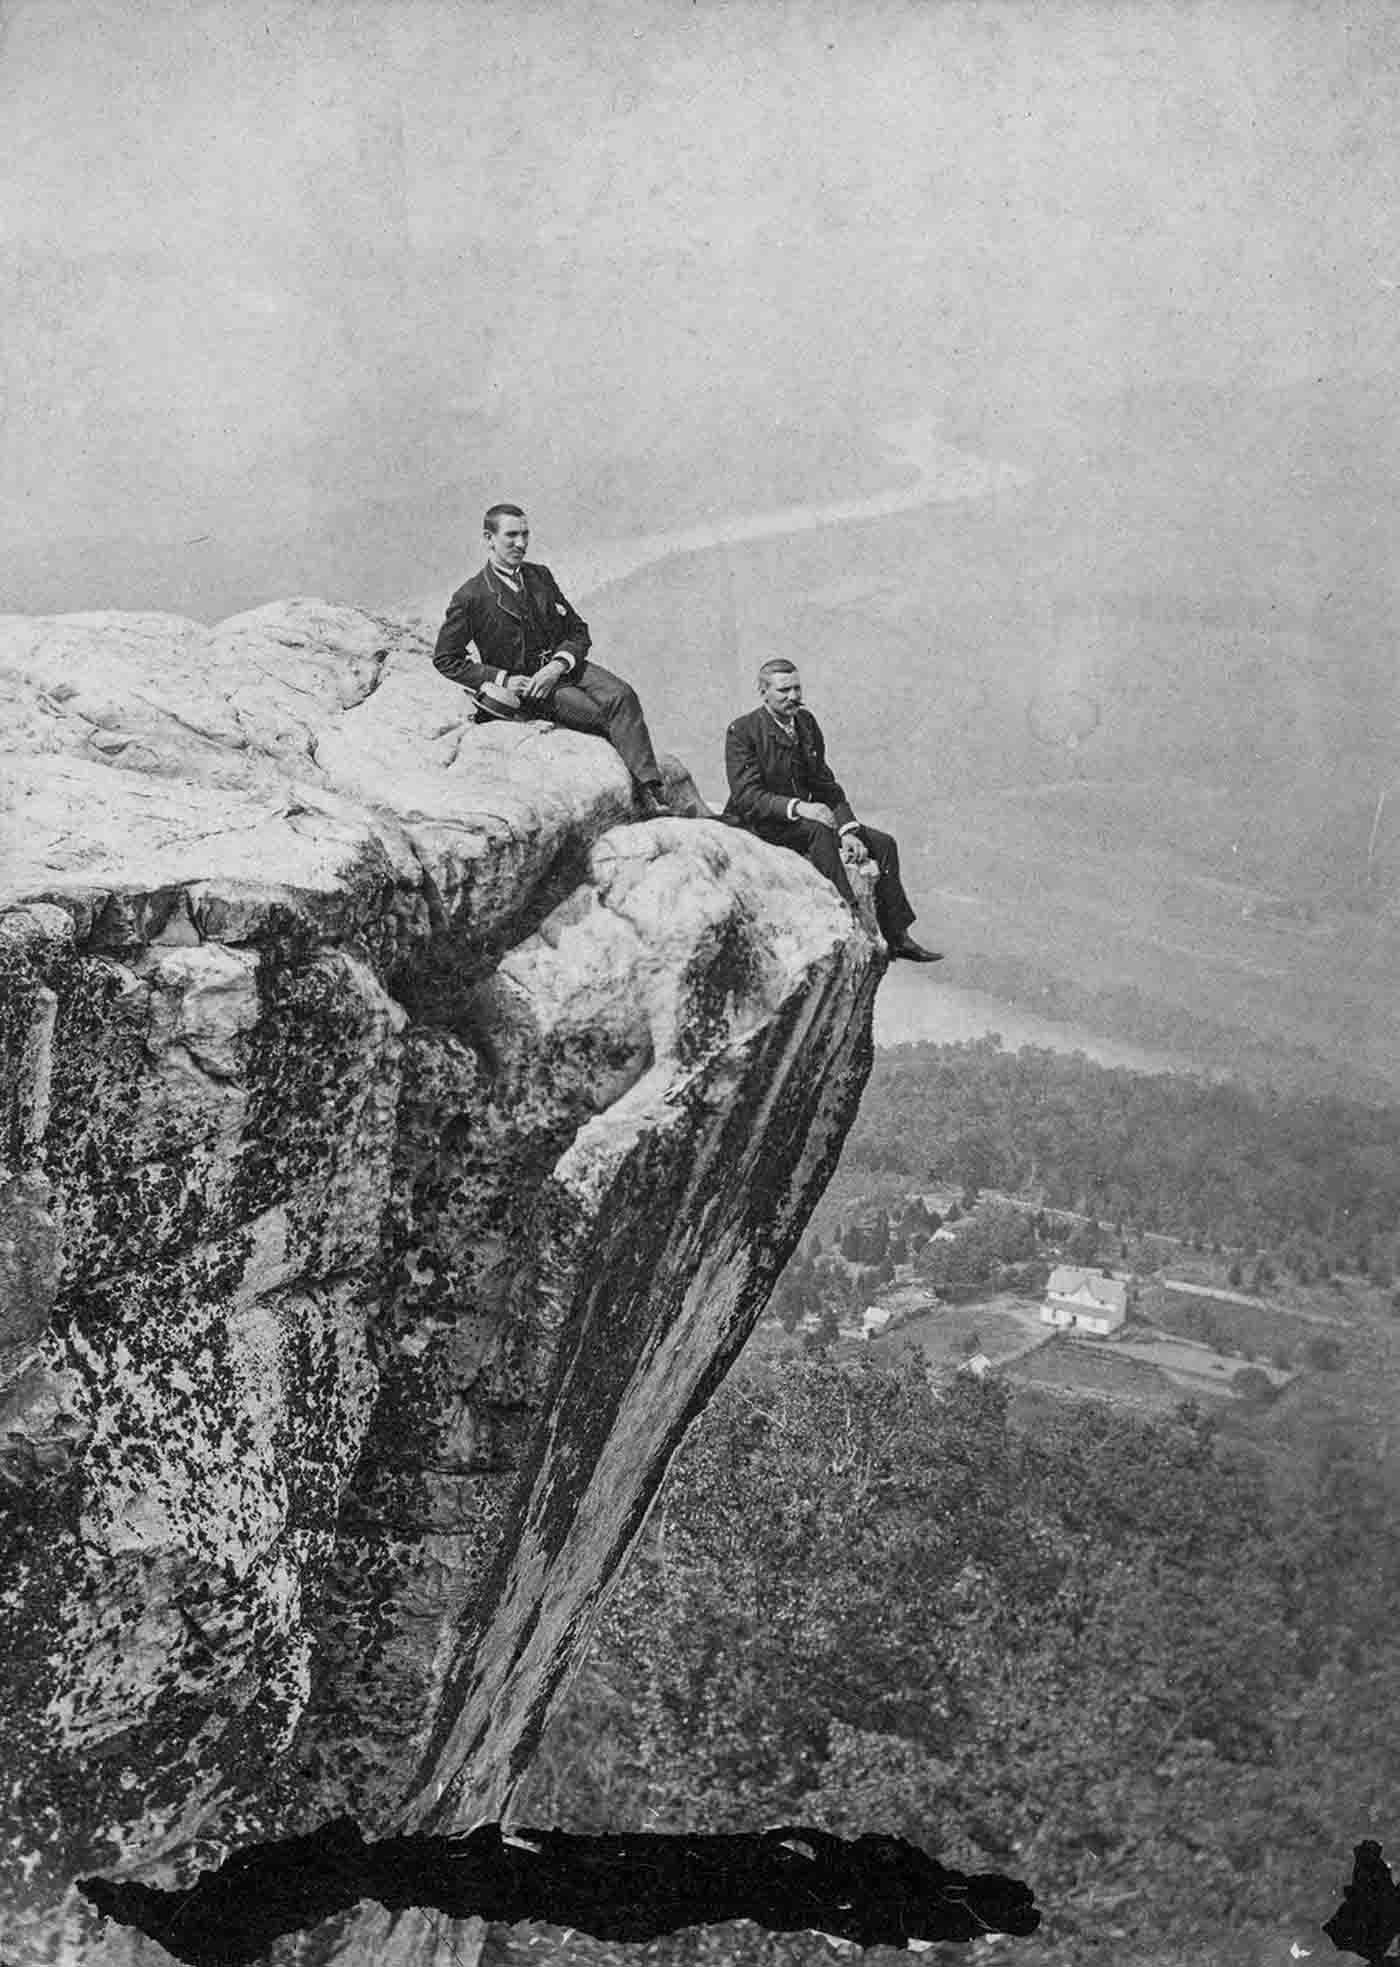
x=1084 y=1301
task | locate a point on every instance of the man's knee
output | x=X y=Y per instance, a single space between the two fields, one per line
x=823 y=849
x=575 y=709
x=882 y=849
x=611 y=693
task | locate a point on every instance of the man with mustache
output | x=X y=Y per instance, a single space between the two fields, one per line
x=781 y=788
x=531 y=655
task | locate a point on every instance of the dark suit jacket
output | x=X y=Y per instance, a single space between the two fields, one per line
x=767 y=768
x=511 y=636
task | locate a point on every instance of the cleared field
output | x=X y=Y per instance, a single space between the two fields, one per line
x=1196 y=1368
x=1004 y=1327
x=1233 y=1325
x=1288 y=1299
x=1074 y=1366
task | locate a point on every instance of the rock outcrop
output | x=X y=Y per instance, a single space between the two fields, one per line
x=398 y=1144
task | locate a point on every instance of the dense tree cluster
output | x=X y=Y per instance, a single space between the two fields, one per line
x=991 y=1241
x=1317 y=1181
x=831 y=1290
x=1099 y=1654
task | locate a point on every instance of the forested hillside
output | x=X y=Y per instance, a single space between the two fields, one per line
x=1098 y=1654
x=1315 y=1180
x=1146 y=1663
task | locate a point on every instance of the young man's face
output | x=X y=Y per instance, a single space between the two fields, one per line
x=781 y=690
x=507 y=544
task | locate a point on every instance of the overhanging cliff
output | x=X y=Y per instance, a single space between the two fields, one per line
x=398 y=1144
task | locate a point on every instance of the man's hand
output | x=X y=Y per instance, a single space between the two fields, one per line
x=542 y=683
x=854 y=849
x=812 y=809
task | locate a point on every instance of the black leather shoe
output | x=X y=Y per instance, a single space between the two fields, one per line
x=652 y=801
x=913 y=952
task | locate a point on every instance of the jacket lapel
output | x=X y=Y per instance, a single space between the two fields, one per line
x=501 y=594
x=777 y=736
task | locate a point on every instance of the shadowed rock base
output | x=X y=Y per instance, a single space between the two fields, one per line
x=876 y=1891
x=1368 y=1919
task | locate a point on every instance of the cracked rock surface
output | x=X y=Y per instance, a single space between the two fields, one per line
x=397 y=1143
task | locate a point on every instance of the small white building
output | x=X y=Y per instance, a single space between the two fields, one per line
x=1084 y=1301
x=874 y=1319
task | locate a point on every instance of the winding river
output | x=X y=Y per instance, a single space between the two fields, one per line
x=914 y=1007
x=942 y=475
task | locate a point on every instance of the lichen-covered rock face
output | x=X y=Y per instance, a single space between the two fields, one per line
x=397 y=1143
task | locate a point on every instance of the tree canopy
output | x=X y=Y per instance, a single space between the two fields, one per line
x=1096 y=1654
x=1224 y=1163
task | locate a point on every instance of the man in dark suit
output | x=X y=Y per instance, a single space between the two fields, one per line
x=532 y=654
x=782 y=789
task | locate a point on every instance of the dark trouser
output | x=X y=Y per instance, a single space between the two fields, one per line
x=821 y=845
x=605 y=707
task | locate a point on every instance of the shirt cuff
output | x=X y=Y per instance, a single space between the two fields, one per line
x=501 y=675
x=793 y=805
x=562 y=655
x=851 y=826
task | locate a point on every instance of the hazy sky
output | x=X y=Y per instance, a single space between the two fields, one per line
x=280 y=277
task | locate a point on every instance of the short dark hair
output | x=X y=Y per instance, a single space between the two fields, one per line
x=774 y=666
x=495 y=513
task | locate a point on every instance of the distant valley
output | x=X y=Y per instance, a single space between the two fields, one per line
x=1137 y=745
